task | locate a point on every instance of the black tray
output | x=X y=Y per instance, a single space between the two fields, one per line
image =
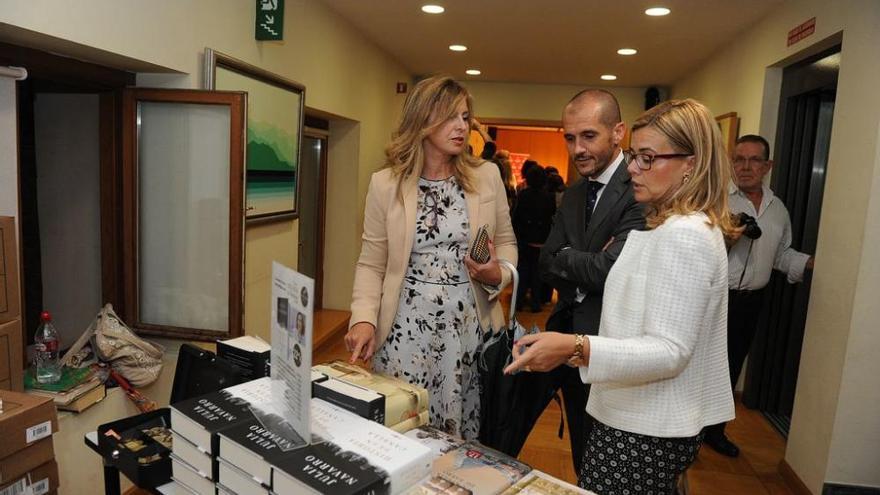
x=147 y=476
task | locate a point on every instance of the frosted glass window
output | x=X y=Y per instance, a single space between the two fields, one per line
x=183 y=215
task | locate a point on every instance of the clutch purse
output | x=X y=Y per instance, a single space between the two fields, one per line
x=479 y=251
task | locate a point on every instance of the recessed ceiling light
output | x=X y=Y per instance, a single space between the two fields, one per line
x=433 y=9
x=473 y=72
x=608 y=77
x=627 y=51
x=457 y=48
x=657 y=11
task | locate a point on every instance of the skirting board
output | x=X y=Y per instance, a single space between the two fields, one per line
x=837 y=489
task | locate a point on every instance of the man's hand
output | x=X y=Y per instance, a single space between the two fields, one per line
x=810 y=263
x=361 y=341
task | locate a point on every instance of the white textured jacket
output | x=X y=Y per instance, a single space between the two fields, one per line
x=659 y=365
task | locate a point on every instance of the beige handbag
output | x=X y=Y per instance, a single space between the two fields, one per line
x=137 y=360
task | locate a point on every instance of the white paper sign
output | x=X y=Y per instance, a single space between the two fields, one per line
x=292 y=318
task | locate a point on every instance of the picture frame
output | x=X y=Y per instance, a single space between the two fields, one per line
x=274 y=134
x=729 y=125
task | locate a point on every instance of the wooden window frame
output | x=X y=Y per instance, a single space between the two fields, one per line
x=129 y=202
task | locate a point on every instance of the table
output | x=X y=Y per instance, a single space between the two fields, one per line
x=111 y=472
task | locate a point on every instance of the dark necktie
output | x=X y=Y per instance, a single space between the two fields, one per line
x=593 y=188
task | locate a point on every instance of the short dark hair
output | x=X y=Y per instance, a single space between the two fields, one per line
x=536 y=177
x=526 y=166
x=754 y=138
x=610 y=108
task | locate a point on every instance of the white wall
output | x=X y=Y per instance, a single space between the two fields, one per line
x=69 y=205
x=835 y=425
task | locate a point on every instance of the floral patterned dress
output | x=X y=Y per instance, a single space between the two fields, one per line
x=435 y=339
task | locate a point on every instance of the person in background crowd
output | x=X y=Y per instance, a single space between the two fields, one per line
x=751 y=260
x=523 y=171
x=531 y=224
x=658 y=364
x=502 y=158
x=587 y=235
x=489 y=150
x=420 y=303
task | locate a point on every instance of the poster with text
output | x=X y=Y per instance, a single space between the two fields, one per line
x=292 y=311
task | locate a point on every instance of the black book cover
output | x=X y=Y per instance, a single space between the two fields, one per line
x=327 y=469
x=373 y=410
x=212 y=412
x=270 y=444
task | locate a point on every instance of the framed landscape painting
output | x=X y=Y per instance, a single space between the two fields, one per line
x=274 y=133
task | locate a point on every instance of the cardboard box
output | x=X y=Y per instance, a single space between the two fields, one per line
x=43 y=480
x=9 y=294
x=25 y=419
x=14 y=466
x=11 y=366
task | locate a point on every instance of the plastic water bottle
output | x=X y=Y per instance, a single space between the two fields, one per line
x=47 y=345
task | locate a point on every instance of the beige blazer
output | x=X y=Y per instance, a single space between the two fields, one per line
x=389 y=228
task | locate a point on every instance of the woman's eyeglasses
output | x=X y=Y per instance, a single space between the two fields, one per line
x=645 y=160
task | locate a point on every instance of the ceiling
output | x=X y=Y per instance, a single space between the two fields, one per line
x=554 y=41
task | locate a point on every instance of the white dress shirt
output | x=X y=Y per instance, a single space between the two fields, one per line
x=659 y=364
x=771 y=250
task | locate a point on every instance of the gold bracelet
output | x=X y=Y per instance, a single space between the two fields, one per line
x=577 y=357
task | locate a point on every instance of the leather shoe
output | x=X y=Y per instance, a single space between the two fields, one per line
x=722 y=445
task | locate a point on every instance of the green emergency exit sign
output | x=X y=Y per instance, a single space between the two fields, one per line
x=269 y=20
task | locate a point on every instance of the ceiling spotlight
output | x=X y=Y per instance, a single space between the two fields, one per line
x=473 y=72
x=627 y=51
x=433 y=9
x=608 y=77
x=457 y=48
x=657 y=11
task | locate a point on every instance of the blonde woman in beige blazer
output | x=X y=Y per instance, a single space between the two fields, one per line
x=420 y=305
x=658 y=367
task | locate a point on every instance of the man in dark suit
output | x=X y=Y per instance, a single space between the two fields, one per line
x=588 y=233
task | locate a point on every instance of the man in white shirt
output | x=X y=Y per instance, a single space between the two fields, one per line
x=752 y=258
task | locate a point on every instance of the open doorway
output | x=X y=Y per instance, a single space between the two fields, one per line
x=803 y=137
x=63 y=151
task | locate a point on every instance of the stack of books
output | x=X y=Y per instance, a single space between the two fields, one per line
x=77 y=390
x=196 y=424
x=380 y=398
x=247 y=353
x=538 y=483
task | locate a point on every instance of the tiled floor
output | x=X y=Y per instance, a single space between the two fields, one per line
x=754 y=472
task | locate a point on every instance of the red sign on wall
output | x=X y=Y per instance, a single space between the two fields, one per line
x=802 y=31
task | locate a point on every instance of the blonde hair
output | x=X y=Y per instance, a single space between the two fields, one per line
x=431 y=103
x=691 y=128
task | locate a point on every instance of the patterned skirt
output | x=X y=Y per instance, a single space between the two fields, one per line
x=621 y=463
x=434 y=343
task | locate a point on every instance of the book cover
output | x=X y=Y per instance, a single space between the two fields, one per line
x=405 y=460
x=538 y=483
x=402 y=400
x=364 y=402
x=328 y=469
x=479 y=469
x=200 y=419
x=438 y=441
x=253 y=448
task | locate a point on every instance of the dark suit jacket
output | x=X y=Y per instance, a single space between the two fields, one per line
x=586 y=265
